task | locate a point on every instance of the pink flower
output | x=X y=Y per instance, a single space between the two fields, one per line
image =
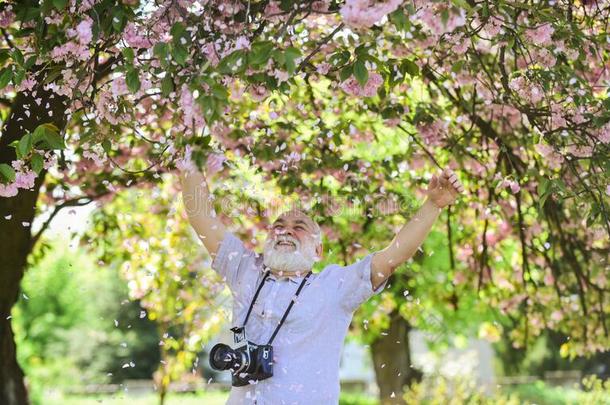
x=8 y=190
x=134 y=39
x=83 y=31
x=214 y=163
x=548 y=278
x=259 y=92
x=25 y=179
x=7 y=17
x=352 y=87
x=361 y=14
x=185 y=164
x=273 y=11
x=323 y=68
x=541 y=35
x=433 y=133
x=459 y=278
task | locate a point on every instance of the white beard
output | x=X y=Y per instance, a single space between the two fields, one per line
x=287 y=259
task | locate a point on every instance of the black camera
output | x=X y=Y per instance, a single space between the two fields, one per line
x=248 y=363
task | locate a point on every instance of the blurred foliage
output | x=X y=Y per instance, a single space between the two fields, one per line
x=74 y=325
x=463 y=390
x=143 y=234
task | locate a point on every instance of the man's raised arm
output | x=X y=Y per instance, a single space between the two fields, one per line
x=441 y=192
x=200 y=210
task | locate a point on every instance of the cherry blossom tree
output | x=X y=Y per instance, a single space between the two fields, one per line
x=355 y=99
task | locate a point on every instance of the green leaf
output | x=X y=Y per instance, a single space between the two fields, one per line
x=53 y=74
x=177 y=31
x=18 y=57
x=7 y=172
x=18 y=76
x=106 y=145
x=260 y=52
x=346 y=72
x=361 y=73
x=408 y=66
x=400 y=20
x=290 y=54
x=129 y=54
x=60 y=4
x=462 y=4
x=235 y=62
x=457 y=66
x=133 y=81
x=167 y=85
x=180 y=54
x=118 y=19
x=161 y=50
x=25 y=144
x=219 y=91
x=48 y=135
x=5 y=77
x=37 y=163
x=30 y=62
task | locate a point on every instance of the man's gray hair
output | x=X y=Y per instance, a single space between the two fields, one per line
x=299 y=211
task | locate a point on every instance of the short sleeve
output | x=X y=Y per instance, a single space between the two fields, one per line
x=231 y=259
x=354 y=283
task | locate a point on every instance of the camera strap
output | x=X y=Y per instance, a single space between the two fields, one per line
x=258 y=290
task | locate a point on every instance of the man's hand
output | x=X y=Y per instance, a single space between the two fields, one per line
x=444 y=190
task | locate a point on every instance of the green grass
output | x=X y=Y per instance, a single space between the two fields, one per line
x=540 y=393
x=208 y=398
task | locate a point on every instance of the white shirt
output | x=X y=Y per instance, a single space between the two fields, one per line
x=308 y=346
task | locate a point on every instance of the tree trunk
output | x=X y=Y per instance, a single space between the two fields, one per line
x=16 y=216
x=392 y=359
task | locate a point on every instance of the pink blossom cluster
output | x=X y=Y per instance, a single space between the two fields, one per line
x=531 y=92
x=83 y=5
x=134 y=39
x=504 y=230
x=582 y=151
x=185 y=163
x=513 y=185
x=540 y=35
x=433 y=132
x=214 y=162
x=363 y=14
x=429 y=13
x=272 y=10
x=107 y=108
x=553 y=159
x=71 y=49
x=258 y=92
x=95 y=153
x=543 y=57
x=24 y=176
x=7 y=16
x=603 y=134
x=352 y=87
x=191 y=111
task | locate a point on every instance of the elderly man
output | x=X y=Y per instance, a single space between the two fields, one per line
x=308 y=343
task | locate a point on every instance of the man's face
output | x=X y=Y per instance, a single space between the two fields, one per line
x=292 y=245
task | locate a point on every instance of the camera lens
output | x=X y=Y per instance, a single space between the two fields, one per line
x=222 y=357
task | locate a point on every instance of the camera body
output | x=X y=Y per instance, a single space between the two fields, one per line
x=248 y=363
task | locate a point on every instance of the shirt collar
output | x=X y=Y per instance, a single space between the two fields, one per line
x=293 y=278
